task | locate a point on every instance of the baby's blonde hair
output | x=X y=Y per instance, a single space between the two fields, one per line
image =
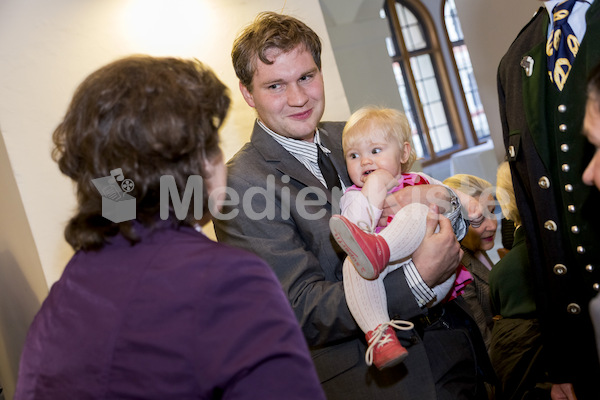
x=370 y=121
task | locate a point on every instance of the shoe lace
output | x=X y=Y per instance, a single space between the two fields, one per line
x=380 y=337
x=368 y=226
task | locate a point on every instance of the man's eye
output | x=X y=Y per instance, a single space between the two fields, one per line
x=274 y=86
x=305 y=77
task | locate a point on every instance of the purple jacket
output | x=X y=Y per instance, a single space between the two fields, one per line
x=177 y=316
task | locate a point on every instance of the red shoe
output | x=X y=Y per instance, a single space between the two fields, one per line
x=369 y=253
x=384 y=348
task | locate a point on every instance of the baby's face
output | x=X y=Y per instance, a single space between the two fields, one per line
x=370 y=153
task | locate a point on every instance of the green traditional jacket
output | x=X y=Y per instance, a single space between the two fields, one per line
x=561 y=215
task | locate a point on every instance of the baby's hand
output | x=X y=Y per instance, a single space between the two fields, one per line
x=376 y=185
x=380 y=178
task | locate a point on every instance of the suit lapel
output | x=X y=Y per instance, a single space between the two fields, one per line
x=534 y=90
x=474 y=266
x=284 y=162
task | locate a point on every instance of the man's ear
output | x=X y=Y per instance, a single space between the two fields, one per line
x=247 y=95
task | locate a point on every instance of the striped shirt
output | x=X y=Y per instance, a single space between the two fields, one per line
x=303 y=151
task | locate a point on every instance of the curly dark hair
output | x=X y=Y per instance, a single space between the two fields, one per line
x=148 y=116
x=270 y=30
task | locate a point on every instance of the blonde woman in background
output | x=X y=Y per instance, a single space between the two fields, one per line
x=478 y=240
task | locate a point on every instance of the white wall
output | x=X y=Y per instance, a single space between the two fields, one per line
x=47 y=48
x=357 y=34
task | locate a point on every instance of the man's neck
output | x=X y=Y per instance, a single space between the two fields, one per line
x=271 y=132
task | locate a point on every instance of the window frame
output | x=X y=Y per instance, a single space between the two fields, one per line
x=451 y=45
x=439 y=63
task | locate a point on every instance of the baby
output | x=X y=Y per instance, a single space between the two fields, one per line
x=379 y=155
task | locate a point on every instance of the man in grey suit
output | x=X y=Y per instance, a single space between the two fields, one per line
x=287 y=201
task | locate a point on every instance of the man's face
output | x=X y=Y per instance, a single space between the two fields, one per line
x=288 y=95
x=591 y=129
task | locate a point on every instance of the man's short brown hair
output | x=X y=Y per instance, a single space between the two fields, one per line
x=270 y=30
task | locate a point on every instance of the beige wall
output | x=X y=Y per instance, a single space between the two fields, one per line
x=22 y=283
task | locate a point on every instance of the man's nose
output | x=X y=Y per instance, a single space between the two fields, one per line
x=296 y=96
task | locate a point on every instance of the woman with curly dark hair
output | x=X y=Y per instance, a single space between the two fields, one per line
x=150 y=308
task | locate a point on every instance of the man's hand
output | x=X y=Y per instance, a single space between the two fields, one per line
x=562 y=391
x=438 y=255
x=424 y=194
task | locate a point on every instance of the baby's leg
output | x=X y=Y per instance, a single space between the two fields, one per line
x=367 y=299
x=406 y=231
x=367 y=302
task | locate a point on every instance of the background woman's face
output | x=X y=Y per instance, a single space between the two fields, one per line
x=481 y=238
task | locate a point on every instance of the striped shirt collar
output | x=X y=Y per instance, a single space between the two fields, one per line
x=301 y=149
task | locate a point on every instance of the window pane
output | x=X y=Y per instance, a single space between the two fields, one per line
x=438 y=115
x=442 y=138
x=412 y=30
x=431 y=101
x=452 y=23
x=417 y=137
x=465 y=70
x=390 y=46
x=417 y=40
x=431 y=88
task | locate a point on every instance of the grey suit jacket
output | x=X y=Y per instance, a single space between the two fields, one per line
x=477 y=295
x=293 y=236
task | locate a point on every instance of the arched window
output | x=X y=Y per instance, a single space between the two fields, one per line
x=422 y=77
x=465 y=70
